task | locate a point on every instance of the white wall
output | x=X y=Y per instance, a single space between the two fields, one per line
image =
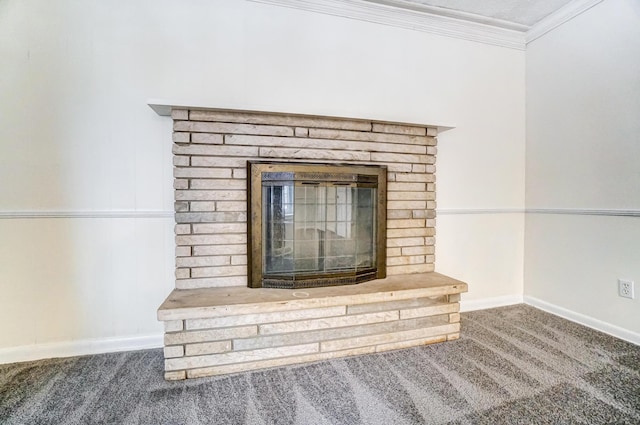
x=583 y=152
x=76 y=135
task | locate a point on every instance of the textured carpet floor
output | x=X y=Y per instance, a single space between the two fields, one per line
x=513 y=365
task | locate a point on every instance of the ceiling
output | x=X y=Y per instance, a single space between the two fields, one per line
x=518 y=14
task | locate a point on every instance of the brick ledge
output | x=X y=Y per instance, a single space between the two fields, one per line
x=199 y=303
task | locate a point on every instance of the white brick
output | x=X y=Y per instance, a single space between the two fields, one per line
x=301 y=132
x=216 y=228
x=214 y=150
x=279 y=316
x=181 y=184
x=208 y=206
x=415 y=177
x=182 y=229
x=173 y=325
x=173 y=351
x=406 y=205
x=211 y=217
x=201 y=261
x=182 y=273
x=409 y=269
x=366 y=136
x=207 y=348
x=240 y=173
x=393 y=252
x=409 y=187
x=231 y=206
x=279 y=119
x=398 y=214
x=179 y=137
x=399 y=129
x=399 y=261
x=323 y=144
x=398 y=157
x=212 y=282
x=220 y=249
x=394 y=224
x=179 y=114
x=219 y=271
x=219 y=161
x=238 y=357
x=293 y=153
x=210 y=335
x=276 y=362
x=210 y=195
x=175 y=375
x=410 y=343
x=220 y=184
x=183 y=251
x=212 y=173
x=411 y=196
x=212 y=127
x=401 y=242
x=405 y=233
x=412 y=313
x=207 y=138
x=211 y=239
x=180 y=161
x=238 y=260
x=418 y=250
x=325 y=323
x=341 y=344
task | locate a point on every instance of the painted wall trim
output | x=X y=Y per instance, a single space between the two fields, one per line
x=462 y=211
x=79 y=348
x=565 y=211
x=585 y=320
x=453 y=24
x=484 y=303
x=559 y=17
x=582 y=211
x=9 y=215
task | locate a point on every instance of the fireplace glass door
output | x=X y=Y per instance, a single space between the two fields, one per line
x=318 y=227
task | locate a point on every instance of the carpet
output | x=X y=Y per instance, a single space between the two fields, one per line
x=512 y=365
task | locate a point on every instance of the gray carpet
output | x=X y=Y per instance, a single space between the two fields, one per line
x=513 y=365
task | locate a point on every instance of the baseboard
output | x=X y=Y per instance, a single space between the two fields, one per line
x=582 y=319
x=484 y=303
x=79 y=348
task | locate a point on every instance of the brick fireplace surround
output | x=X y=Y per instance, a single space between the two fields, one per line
x=214 y=324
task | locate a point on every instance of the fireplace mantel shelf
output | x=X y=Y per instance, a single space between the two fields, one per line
x=163 y=108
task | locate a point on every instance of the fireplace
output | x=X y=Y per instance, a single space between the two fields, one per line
x=316 y=224
x=298 y=217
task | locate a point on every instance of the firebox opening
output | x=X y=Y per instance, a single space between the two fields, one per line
x=316 y=224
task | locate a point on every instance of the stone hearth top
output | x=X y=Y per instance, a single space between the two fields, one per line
x=216 y=302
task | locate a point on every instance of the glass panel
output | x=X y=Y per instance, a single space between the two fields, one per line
x=365 y=228
x=309 y=227
x=277 y=222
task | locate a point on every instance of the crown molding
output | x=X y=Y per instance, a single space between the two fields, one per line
x=425 y=19
x=559 y=17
